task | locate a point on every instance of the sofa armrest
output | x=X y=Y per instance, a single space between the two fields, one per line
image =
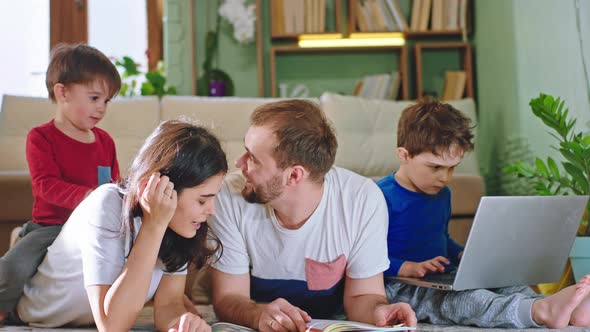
x=17 y=198
x=466 y=191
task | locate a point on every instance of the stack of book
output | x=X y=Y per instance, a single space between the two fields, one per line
x=379 y=15
x=443 y=15
x=454 y=86
x=378 y=86
x=298 y=16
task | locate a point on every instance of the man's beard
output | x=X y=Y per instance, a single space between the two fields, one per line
x=265 y=192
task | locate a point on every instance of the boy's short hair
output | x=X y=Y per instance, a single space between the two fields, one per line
x=431 y=126
x=80 y=64
x=303 y=133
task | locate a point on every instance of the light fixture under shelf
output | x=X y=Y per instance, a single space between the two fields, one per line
x=354 y=40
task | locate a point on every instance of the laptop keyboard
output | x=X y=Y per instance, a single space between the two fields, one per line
x=445 y=278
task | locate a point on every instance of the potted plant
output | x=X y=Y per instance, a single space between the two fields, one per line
x=154 y=82
x=571 y=178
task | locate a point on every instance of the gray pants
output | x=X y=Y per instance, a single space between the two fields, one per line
x=508 y=307
x=21 y=262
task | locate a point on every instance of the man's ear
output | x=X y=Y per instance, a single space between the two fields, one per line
x=296 y=174
x=59 y=91
x=402 y=154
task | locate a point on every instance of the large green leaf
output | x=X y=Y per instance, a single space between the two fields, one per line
x=580 y=180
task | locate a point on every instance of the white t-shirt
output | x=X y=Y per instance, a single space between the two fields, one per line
x=90 y=250
x=345 y=235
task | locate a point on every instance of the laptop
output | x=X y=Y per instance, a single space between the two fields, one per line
x=514 y=240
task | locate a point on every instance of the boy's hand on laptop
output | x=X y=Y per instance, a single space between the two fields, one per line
x=419 y=270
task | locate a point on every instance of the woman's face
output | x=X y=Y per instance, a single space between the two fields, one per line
x=194 y=206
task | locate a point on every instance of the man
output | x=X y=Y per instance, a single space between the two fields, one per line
x=300 y=238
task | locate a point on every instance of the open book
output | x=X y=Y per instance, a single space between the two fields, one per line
x=323 y=325
x=319 y=325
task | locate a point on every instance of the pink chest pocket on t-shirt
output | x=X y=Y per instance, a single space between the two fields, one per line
x=322 y=276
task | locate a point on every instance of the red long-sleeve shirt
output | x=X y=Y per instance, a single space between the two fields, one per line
x=63 y=170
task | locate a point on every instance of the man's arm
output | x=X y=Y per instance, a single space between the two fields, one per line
x=365 y=301
x=231 y=299
x=232 y=303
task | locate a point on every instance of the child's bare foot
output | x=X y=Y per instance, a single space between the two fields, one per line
x=581 y=315
x=555 y=311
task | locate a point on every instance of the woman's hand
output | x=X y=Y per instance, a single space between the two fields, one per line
x=190 y=322
x=158 y=200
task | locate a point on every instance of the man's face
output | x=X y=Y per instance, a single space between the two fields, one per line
x=428 y=173
x=264 y=180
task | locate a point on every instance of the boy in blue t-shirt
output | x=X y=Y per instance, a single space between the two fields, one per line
x=432 y=138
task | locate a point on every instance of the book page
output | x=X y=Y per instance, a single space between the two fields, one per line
x=317 y=325
x=229 y=327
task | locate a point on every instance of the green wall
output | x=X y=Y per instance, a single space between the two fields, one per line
x=319 y=72
x=523 y=48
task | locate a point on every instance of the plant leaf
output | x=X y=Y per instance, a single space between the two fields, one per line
x=541 y=168
x=553 y=168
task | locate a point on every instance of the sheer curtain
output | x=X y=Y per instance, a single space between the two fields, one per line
x=115 y=27
x=25 y=47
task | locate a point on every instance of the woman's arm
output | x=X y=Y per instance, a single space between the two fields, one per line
x=170 y=311
x=115 y=307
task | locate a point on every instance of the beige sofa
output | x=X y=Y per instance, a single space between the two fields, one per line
x=366 y=131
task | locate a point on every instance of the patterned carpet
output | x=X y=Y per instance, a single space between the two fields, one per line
x=145 y=323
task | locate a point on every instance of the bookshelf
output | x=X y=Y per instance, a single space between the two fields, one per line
x=466 y=64
x=281 y=60
x=400 y=64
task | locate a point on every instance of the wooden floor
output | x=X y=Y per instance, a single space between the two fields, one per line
x=145 y=323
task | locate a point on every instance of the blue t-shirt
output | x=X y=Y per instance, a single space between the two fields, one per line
x=418 y=225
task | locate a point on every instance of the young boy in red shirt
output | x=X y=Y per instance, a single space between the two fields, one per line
x=68 y=157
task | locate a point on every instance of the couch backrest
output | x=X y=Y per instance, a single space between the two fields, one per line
x=20 y=114
x=227 y=117
x=366 y=131
x=128 y=120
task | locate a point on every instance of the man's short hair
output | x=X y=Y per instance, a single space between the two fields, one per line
x=431 y=126
x=304 y=135
x=80 y=64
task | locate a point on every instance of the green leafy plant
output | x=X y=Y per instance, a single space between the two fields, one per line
x=210 y=71
x=154 y=83
x=573 y=146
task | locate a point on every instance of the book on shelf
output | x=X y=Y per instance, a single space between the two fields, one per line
x=454 y=85
x=378 y=86
x=439 y=15
x=319 y=325
x=415 y=15
x=378 y=16
x=424 y=18
x=398 y=14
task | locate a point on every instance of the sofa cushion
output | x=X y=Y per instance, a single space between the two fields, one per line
x=366 y=131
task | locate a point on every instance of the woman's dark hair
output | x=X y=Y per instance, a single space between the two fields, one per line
x=188 y=155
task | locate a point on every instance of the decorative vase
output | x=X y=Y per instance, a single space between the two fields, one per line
x=215 y=82
x=216 y=88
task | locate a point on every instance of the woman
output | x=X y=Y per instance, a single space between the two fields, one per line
x=123 y=246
